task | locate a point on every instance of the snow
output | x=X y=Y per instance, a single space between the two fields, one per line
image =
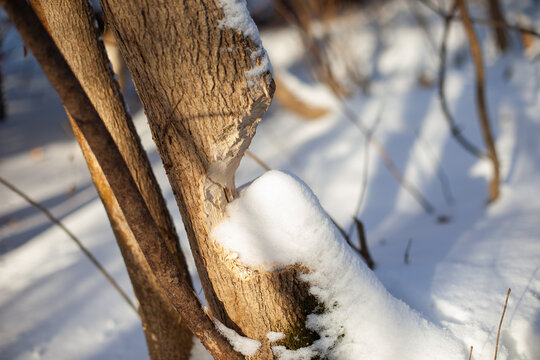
x=55 y=305
x=242 y=344
x=276 y=222
x=237 y=17
x=274 y=336
x=198 y=352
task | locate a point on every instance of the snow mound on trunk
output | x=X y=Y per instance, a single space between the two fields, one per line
x=277 y=221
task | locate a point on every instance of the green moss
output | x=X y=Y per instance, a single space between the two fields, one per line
x=300 y=336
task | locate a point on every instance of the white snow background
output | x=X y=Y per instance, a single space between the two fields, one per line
x=55 y=305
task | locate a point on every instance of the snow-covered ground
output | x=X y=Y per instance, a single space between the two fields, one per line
x=461 y=260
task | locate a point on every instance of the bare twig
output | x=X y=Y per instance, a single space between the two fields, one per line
x=171 y=278
x=500 y=323
x=433 y=7
x=470 y=353
x=407 y=250
x=497 y=15
x=422 y=22
x=364 y=251
x=302 y=25
x=504 y=25
x=454 y=129
x=257 y=160
x=476 y=52
x=72 y=236
x=487 y=22
x=302 y=15
x=365 y=164
x=387 y=160
x=441 y=174
x=342 y=232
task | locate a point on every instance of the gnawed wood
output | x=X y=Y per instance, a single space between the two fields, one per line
x=138 y=218
x=203 y=100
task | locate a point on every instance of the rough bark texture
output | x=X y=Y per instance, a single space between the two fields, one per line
x=117 y=174
x=70 y=23
x=203 y=106
x=476 y=52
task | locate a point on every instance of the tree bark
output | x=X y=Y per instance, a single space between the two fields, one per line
x=203 y=101
x=70 y=23
x=130 y=201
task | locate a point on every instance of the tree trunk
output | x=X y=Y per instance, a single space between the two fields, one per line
x=171 y=278
x=497 y=15
x=70 y=23
x=203 y=95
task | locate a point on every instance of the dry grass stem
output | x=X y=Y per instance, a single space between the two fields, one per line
x=500 y=323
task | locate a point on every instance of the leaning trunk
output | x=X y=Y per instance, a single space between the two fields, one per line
x=204 y=87
x=70 y=23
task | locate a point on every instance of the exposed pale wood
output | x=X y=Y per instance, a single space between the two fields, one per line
x=138 y=218
x=70 y=23
x=203 y=106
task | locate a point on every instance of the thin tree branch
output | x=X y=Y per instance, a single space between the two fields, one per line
x=433 y=7
x=476 y=52
x=441 y=174
x=470 y=353
x=388 y=162
x=364 y=251
x=454 y=129
x=479 y=21
x=365 y=168
x=396 y=173
x=144 y=229
x=340 y=229
x=500 y=323
x=504 y=25
x=496 y=14
x=258 y=160
x=421 y=21
x=72 y=236
x=363 y=186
